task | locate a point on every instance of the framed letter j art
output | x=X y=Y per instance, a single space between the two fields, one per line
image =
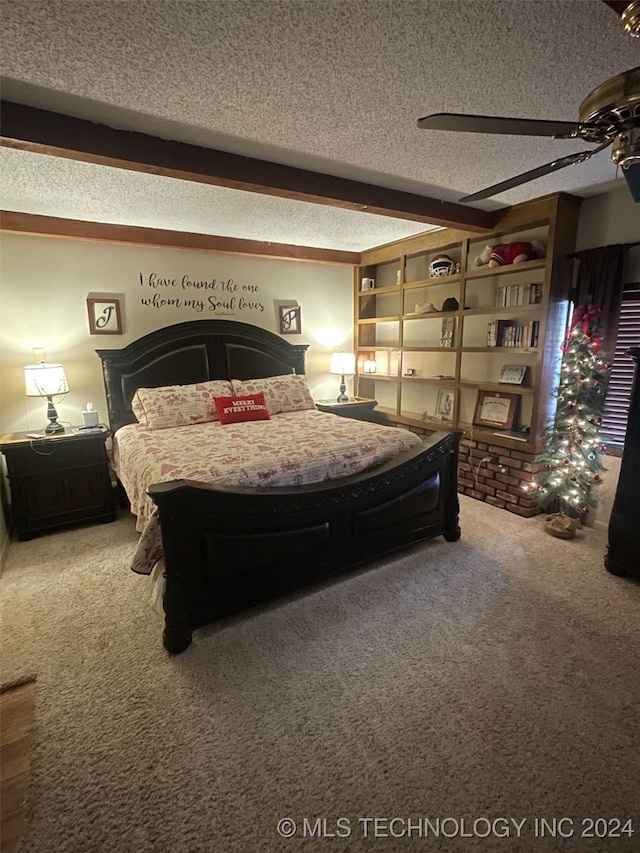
x=104 y=315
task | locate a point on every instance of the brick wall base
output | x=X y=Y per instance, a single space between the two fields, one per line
x=499 y=483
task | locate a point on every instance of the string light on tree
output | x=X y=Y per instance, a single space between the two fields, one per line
x=570 y=462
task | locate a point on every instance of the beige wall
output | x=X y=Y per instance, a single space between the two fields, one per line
x=45 y=282
x=608 y=218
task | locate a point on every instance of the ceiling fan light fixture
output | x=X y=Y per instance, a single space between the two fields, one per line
x=631 y=19
x=626 y=148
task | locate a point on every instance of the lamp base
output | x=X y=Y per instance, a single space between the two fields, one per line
x=342 y=397
x=53 y=427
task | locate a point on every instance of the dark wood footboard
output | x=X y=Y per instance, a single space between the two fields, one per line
x=229 y=548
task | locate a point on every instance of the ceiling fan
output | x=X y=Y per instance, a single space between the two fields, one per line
x=610 y=115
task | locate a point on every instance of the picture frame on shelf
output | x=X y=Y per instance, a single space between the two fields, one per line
x=444 y=405
x=512 y=374
x=496 y=409
x=290 y=317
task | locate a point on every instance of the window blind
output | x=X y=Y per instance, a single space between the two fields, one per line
x=614 y=421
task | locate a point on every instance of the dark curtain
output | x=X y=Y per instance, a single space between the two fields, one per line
x=599 y=282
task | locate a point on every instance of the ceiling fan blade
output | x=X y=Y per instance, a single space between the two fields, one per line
x=496 y=124
x=496 y=189
x=618 y=6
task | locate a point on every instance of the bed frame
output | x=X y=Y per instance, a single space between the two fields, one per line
x=227 y=548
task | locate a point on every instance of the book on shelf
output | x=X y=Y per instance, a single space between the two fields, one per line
x=535 y=293
x=535 y=333
x=508 y=333
x=513 y=295
x=495 y=332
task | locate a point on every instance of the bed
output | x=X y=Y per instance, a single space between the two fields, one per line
x=231 y=542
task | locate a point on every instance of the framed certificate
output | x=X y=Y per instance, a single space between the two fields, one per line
x=496 y=409
x=513 y=374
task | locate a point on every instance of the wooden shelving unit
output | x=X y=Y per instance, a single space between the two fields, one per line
x=421 y=381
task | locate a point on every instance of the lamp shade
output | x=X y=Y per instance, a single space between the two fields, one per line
x=45 y=380
x=343 y=363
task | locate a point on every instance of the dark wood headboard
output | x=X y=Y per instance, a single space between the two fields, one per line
x=191 y=352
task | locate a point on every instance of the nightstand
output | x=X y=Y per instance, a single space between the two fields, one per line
x=58 y=480
x=359 y=408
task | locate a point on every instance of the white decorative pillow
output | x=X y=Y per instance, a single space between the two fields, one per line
x=288 y=393
x=179 y=405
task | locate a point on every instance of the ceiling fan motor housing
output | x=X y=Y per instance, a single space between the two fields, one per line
x=612 y=113
x=631 y=19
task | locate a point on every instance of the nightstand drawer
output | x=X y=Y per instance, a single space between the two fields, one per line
x=56 y=455
x=77 y=493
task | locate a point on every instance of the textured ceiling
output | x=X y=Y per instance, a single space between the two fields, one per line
x=52 y=186
x=330 y=86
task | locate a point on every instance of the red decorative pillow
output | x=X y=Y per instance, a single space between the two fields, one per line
x=233 y=410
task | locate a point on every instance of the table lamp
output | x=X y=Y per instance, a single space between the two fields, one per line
x=343 y=363
x=46 y=380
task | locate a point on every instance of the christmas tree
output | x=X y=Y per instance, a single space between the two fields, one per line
x=571 y=457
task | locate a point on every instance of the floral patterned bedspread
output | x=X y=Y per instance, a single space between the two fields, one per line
x=290 y=449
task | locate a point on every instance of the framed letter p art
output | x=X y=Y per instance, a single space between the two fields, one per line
x=104 y=315
x=290 y=319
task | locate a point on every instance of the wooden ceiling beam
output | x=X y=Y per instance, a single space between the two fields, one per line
x=45 y=132
x=134 y=235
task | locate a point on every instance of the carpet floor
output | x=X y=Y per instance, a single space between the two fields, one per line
x=459 y=693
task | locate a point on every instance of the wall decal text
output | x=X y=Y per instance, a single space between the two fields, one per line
x=162 y=292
